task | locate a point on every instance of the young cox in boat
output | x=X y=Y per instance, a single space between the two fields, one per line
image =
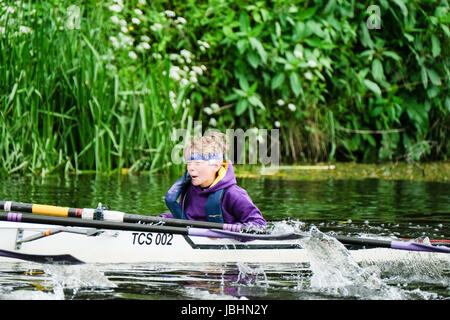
x=208 y=191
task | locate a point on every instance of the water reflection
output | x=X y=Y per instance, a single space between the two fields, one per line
x=373 y=200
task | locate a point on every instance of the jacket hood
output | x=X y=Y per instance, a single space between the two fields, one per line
x=225 y=178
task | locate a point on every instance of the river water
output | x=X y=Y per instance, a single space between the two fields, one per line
x=366 y=207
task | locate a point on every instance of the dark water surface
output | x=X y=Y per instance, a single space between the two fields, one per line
x=352 y=207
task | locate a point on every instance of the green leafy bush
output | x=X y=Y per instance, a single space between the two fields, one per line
x=108 y=92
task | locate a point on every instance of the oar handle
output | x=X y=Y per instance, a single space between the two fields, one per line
x=39 y=209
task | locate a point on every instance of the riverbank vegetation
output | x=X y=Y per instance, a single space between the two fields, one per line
x=430 y=171
x=87 y=85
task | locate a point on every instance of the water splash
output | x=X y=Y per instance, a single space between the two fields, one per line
x=59 y=282
x=251 y=275
x=335 y=272
x=201 y=294
x=77 y=277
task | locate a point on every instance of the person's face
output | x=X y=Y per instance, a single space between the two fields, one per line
x=202 y=172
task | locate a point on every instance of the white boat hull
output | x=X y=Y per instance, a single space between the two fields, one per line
x=109 y=246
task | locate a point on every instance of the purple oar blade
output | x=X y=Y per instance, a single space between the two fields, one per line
x=415 y=246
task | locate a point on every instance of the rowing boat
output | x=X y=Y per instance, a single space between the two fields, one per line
x=102 y=236
x=75 y=245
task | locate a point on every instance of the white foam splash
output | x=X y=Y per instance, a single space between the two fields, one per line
x=74 y=278
x=251 y=275
x=336 y=273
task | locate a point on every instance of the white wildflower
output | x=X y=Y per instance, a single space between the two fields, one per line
x=156 y=55
x=114 y=41
x=24 y=29
x=215 y=107
x=169 y=13
x=203 y=67
x=132 y=55
x=184 y=82
x=174 y=73
x=136 y=21
x=124 y=29
x=142 y=2
x=277 y=124
x=212 y=122
x=126 y=40
x=116 y=8
x=208 y=111
x=145 y=45
x=292 y=107
x=181 y=20
x=280 y=102
x=123 y=22
x=144 y=38
x=203 y=43
x=142 y=46
x=156 y=27
x=138 y=12
x=115 y=19
x=197 y=70
x=186 y=54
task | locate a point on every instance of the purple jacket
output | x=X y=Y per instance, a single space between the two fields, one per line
x=237 y=207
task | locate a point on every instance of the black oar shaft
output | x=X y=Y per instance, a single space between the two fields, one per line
x=134 y=218
x=364 y=241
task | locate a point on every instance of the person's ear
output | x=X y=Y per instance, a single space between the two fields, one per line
x=217 y=166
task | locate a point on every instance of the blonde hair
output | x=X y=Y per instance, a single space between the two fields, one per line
x=212 y=144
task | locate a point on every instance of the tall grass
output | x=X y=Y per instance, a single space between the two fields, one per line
x=69 y=103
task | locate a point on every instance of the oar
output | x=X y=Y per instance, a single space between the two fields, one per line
x=213 y=233
x=111 y=215
x=125 y=226
x=393 y=244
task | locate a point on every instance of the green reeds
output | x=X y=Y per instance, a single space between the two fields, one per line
x=68 y=103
